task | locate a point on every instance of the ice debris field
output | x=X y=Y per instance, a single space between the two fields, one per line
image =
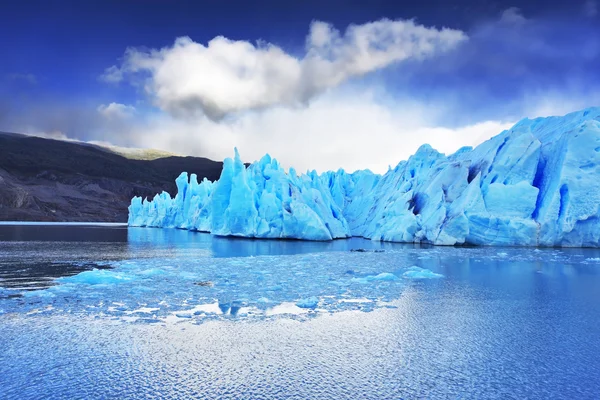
x=536 y=184
x=164 y=282
x=159 y=284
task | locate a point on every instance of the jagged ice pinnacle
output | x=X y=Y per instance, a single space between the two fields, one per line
x=537 y=184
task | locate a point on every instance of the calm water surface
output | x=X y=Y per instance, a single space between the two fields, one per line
x=103 y=311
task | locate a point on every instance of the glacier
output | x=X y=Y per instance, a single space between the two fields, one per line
x=536 y=184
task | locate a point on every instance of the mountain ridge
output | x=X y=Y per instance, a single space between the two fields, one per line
x=44 y=179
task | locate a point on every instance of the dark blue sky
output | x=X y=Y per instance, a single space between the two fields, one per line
x=53 y=52
x=67 y=44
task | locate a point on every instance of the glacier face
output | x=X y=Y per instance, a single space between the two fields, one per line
x=535 y=184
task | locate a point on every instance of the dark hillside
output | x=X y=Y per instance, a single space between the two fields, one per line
x=53 y=180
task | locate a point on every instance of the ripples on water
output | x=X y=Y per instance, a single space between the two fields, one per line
x=110 y=312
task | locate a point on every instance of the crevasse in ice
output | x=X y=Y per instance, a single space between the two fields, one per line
x=535 y=184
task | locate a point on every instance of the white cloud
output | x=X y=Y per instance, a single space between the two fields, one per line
x=297 y=109
x=352 y=131
x=116 y=111
x=227 y=76
x=56 y=135
x=112 y=75
x=556 y=103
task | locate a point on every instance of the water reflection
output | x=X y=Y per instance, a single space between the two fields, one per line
x=502 y=322
x=33 y=256
x=62 y=232
x=18 y=276
x=242 y=247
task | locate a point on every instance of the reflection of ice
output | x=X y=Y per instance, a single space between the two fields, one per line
x=181 y=241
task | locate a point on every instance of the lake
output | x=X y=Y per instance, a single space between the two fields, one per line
x=106 y=311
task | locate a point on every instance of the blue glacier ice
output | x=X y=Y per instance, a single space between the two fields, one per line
x=311 y=302
x=384 y=276
x=415 y=272
x=536 y=184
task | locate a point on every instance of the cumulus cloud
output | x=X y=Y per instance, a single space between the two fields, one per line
x=308 y=112
x=227 y=76
x=116 y=111
x=353 y=130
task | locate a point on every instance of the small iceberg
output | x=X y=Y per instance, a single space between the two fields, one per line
x=384 y=276
x=415 y=272
x=310 y=302
x=96 y=277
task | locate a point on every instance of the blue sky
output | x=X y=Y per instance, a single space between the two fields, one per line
x=66 y=72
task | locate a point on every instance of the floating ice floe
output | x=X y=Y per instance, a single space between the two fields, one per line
x=420 y=273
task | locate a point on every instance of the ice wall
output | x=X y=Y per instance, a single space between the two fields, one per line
x=535 y=184
x=261 y=201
